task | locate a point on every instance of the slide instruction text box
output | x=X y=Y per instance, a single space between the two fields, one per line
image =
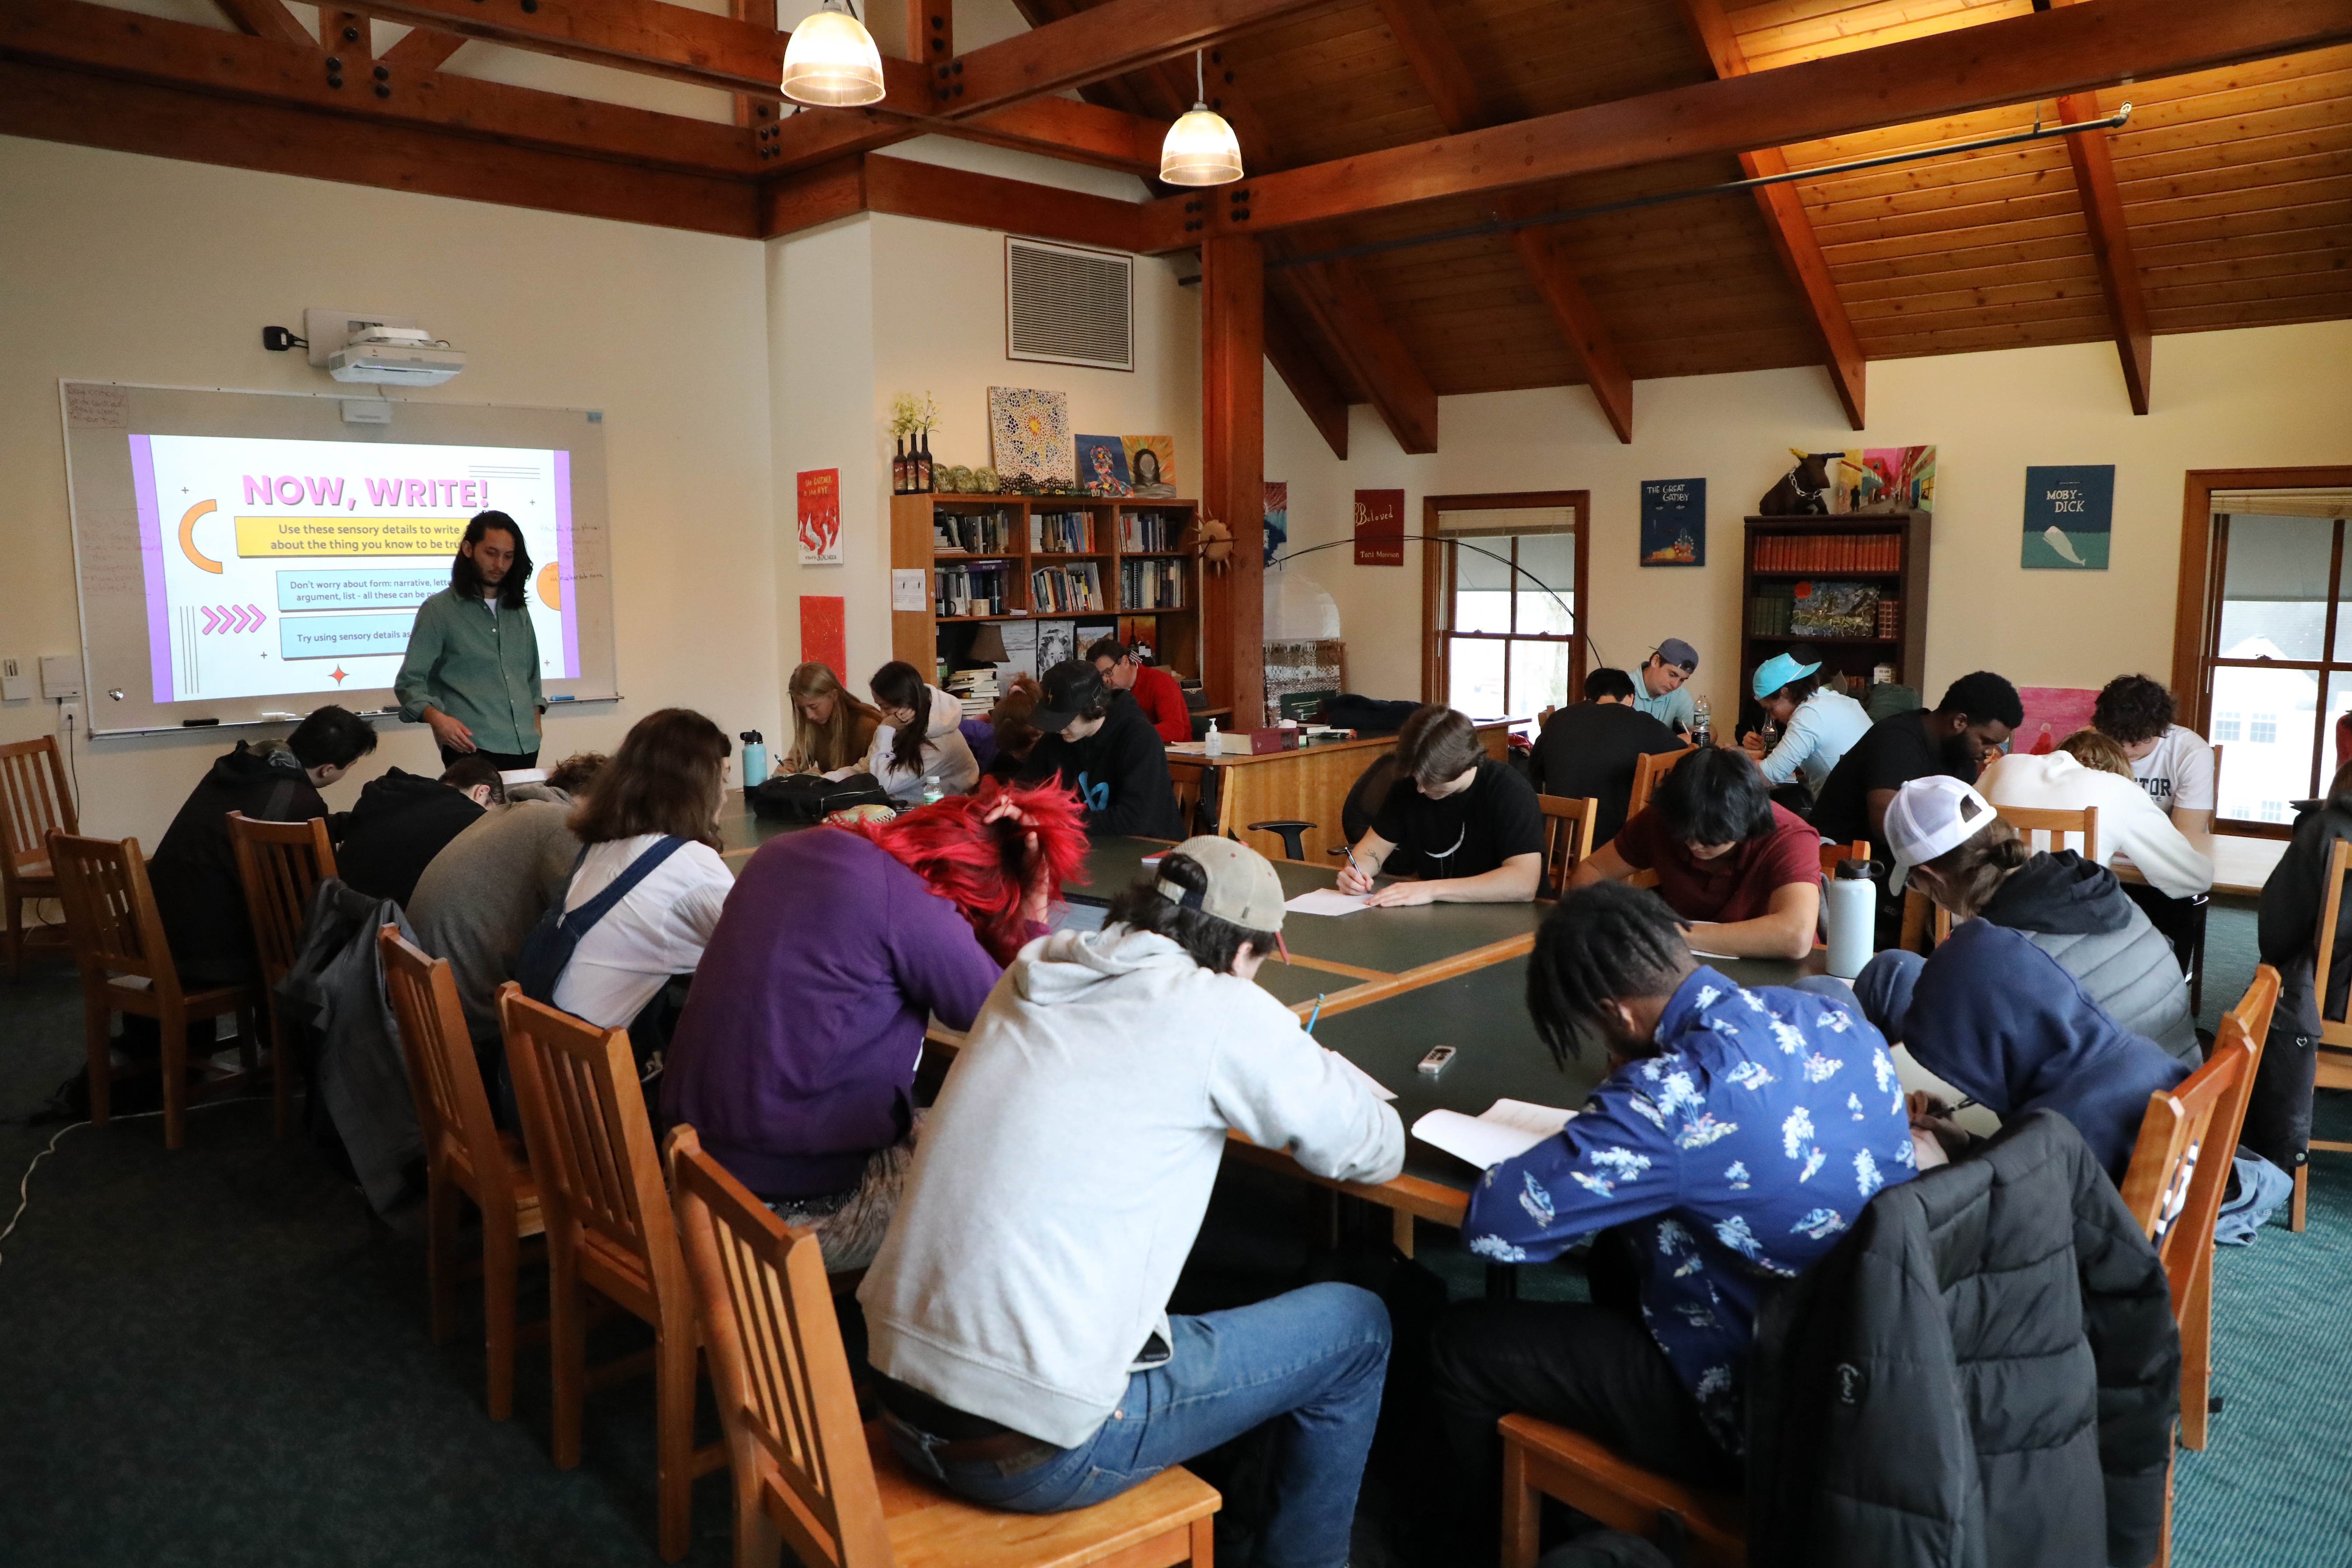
x=389 y=588
x=349 y=535
x=344 y=637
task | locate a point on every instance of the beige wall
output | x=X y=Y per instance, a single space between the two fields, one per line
x=2270 y=395
x=117 y=267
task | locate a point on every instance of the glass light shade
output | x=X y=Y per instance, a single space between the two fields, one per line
x=832 y=62
x=1200 y=149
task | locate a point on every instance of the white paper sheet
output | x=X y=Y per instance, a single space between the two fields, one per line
x=1369 y=1081
x=1504 y=1129
x=1326 y=902
x=910 y=589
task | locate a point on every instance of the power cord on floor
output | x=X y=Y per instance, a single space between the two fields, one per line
x=25 y=1184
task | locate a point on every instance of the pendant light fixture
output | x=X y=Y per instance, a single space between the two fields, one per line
x=1200 y=148
x=832 y=62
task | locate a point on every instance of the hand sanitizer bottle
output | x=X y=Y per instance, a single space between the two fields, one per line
x=1215 y=743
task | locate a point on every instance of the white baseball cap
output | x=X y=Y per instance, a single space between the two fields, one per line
x=1928 y=817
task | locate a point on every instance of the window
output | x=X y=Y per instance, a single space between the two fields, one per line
x=2273 y=811
x=1501 y=580
x=2225 y=727
x=2264 y=730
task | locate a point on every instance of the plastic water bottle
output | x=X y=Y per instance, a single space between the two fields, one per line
x=1702 y=722
x=1215 y=743
x=1853 y=917
x=755 y=759
x=932 y=790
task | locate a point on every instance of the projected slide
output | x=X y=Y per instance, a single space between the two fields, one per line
x=296 y=567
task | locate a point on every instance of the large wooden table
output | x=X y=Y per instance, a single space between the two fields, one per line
x=2240 y=864
x=1310 y=783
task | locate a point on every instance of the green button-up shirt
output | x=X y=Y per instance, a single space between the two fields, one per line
x=477 y=665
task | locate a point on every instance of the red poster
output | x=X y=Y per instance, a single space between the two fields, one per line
x=1380 y=528
x=820 y=517
x=824 y=632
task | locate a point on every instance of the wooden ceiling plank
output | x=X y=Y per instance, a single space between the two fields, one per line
x=1794 y=239
x=1353 y=327
x=94 y=110
x=423 y=50
x=1319 y=396
x=2016 y=60
x=266 y=19
x=103 y=38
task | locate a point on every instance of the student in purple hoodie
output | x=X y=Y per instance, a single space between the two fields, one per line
x=795 y=1056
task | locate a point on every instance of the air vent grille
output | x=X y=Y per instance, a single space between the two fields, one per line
x=1068 y=306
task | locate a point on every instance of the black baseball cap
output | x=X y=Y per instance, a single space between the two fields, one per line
x=1072 y=688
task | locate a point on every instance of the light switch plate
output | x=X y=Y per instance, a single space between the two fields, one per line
x=15 y=680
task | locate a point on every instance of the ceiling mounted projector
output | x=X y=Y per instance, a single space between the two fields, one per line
x=396 y=356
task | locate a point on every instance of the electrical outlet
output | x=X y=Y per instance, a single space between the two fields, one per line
x=70 y=720
x=16 y=680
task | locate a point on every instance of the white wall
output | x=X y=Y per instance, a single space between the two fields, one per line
x=118 y=267
x=2277 y=395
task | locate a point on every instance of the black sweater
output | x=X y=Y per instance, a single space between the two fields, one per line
x=194 y=870
x=400 y=821
x=1120 y=772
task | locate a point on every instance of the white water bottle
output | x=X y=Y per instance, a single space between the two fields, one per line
x=1853 y=917
x=933 y=793
x=1213 y=743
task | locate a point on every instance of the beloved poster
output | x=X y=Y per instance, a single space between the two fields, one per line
x=1380 y=528
x=2069 y=517
x=1674 y=522
x=820 y=515
x=825 y=631
x=1278 y=517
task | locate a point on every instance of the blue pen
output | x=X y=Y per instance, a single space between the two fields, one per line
x=1316 y=1014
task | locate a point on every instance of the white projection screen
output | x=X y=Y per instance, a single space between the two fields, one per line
x=245 y=556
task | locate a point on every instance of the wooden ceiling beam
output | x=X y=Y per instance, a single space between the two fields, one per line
x=910 y=189
x=1794 y=240
x=2014 y=61
x=101 y=38
x=1318 y=394
x=751 y=111
x=1069 y=129
x=1443 y=73
x=94 y=110
x=266 y=19
x=1342 y=305
x=2111 y=245
x=1109 y=40
x=424 y=49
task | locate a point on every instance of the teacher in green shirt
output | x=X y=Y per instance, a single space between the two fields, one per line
x=472 y=670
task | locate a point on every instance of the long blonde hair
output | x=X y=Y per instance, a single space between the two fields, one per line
x=834 y=743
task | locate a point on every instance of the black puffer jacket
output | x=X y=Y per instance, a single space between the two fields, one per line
x=2278 y=1114
x=1984 y=1374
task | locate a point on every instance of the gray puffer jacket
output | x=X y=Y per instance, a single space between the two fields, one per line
x=2078 y=914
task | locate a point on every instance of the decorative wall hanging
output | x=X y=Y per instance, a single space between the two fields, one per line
x=1029 y=435
x=1150 y=464
x=1883 y=480
x=820 y=516
x=1278 y=517
x=825 y=630
x=1674 y=522
x=1102 y=466
x=2069 y=517
x=1380 y=528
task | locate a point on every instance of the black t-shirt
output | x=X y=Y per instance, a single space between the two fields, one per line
x=1467 y=833
x=1890 y=755
x=1587 y=752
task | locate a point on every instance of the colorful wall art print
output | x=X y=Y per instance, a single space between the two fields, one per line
x=2069 y=517
x=1884 y=478
x=1674 y=522
x=825 y=630
x=1152 y=464
x=1029 y=433
x=1102 y=466
x=820 y=516
x=1278 y=517
x=1380 y=528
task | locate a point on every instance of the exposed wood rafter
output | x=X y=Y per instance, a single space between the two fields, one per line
x=749 y=112
x=2111 y=244
x=423 y=50
x=266 y=19
x=1319 y=396
x=1791 y=230
x=869 y=183
x=1109 y=40
x=1342 y=306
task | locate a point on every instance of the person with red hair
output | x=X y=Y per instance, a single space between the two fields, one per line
x=795 y=1056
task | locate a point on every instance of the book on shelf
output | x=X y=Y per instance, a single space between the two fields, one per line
x=1061 y=532
x=1065 y=590
x=1877 y=553
x=1151 y=584
x=979 y=589
x=971 y=532
x=976 y=688
x=1150 y=529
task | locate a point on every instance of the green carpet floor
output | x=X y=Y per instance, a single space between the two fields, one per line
x=217 y=1357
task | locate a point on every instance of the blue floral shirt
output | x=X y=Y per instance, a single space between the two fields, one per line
x=1737 y=1155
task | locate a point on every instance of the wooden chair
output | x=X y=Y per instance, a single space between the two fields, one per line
x=2030 y=820
x=805 y=1473
x=1568 y=836
x=1832 y=854
x=2334 y=1046
x=126 y=967
x=1541 y=1460
x=33 y=803
x=608 y=1230
x=465 y=1156
x=1648 y=769
x=279 y=864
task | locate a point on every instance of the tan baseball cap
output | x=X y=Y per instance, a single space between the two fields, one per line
x=1243 y=886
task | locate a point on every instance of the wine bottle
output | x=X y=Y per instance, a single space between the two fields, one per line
x=923 y=464
x=899 y=485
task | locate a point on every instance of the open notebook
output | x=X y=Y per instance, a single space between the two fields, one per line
x=1503 y=1129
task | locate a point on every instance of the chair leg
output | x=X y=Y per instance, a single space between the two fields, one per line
x=174 y=1025
x=758 y=1543
x=14 y=932
x=443 y=1209
x=2295 y=1206
x=2164 y=1540
x=96 y=1020
x=567 y=1349
x=281 y=1070
x=674 y=1388
x=499 y=1265
x=1522 y=1509
x=2197 y=1354
x=1204 y=1544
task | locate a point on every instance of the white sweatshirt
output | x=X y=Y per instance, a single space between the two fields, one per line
x=2129 y=823
x=946 y=756
x=1062 y=1177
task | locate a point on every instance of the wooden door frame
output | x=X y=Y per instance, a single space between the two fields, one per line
x=2197 y=601
x=1432 y=564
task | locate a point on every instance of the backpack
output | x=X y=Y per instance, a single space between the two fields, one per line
x=547 y=950
x=812 y=797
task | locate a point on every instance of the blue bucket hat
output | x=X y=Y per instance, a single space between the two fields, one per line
x=1776 y=672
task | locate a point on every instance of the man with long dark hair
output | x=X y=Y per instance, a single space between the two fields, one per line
x=472 y=670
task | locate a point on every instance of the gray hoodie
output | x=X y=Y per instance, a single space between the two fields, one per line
x=2079 y=914
x=1062 y=1177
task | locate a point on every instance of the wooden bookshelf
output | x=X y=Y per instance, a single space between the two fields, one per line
x=916 y=636
x=1886 y=551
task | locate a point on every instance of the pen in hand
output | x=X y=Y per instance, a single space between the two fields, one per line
x=1316 y=1014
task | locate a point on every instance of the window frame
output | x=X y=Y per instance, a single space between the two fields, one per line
x=1438 y=560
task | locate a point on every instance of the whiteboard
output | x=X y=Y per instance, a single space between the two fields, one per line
x=245 y=556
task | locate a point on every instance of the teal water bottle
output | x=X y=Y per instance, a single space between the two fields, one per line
x=755 y=759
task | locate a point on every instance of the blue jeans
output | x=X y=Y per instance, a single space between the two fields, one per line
x=1312 y=1359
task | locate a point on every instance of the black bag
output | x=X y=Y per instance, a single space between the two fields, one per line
x=547 y=950
x=812 y=797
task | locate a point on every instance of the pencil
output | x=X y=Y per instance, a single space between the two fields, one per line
x=1316 y=1014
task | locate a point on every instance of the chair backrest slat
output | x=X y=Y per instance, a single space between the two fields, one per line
x=777 y=1365
x=1648 y=770
x=279 y=865
x=1568 y=834
x=452 y=1105
x=33 y=800
x=110 y=910
x=2058 y=824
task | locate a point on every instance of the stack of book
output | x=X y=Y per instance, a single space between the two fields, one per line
x=1829 y=552
x=976 y=689
x=1065 y=589
x=1061 y=532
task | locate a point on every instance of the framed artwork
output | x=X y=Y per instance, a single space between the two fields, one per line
x=2069 y=517
x=1380 y=528
x=2052 y=713
x=1029 y=433
x=1150 y=464
x=1057 y=643
x=820 y=516
x=1674 y=522
x=1884 y=478
x=1102 y=466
